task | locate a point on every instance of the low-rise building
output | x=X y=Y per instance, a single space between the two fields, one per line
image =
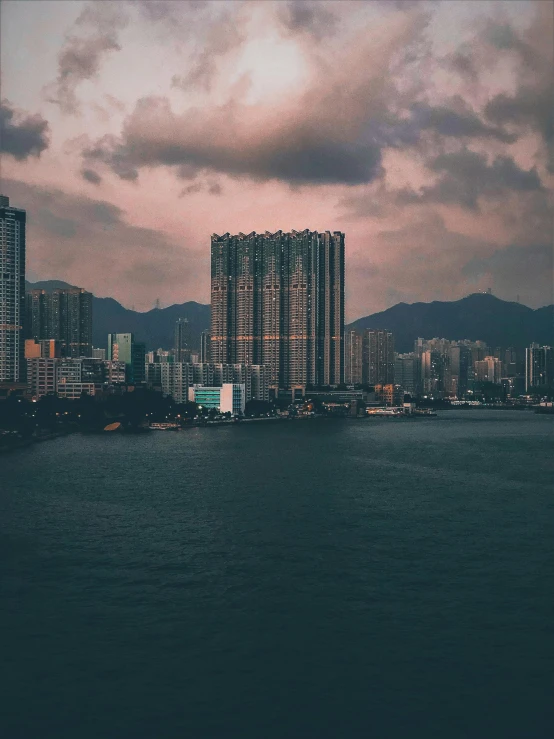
x=229 y=398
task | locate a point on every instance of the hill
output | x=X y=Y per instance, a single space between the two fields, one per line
x=477 y=316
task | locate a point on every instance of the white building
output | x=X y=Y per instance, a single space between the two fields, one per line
x=229 y=398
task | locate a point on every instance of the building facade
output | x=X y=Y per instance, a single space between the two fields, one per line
x=278 y=300
x=124 y=348
x=353 y=358
x=182 y=340
x=65 y=314
x=68 y=378
x=539 y=367
x=377 y=357
x=12 y=292
x=229 y=398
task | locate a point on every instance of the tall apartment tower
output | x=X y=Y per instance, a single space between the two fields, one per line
x=70 y=319
x=353 y=358
x=278 y=300
x=377 y=357
x=205 y=346
x=539 y=366
x=65 y=315
x=12 y=292
x=182 y=340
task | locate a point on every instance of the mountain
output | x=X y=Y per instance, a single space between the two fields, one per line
x=478 y=316
x=155 y=327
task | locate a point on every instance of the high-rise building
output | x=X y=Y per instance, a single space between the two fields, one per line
x=12 y=292
x=36 y=314
x=124 y=348
x=182 y=340
x=539 y=366
x=353 y=358
x=457 y=367
x=406 y=372
x=65 y=315
x=488 y=369
x=377 y=357
x=278 y=300
x=205 y=341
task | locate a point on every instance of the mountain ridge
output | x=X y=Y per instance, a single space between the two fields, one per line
x=476 y=316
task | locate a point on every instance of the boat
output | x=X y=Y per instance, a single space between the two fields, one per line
x=164 y=426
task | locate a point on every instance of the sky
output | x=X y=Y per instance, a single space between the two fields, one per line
x=132 y=131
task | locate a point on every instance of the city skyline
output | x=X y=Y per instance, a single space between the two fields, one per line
x=421 y=130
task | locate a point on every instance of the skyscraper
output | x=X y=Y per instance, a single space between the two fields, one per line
x=539 y=366
x=182 y=340
x=353 y=358
x=377 y=357
x=65 y=314
x=278 y=300
x=205 y=341
x=12 y=291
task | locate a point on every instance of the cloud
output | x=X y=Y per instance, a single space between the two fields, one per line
x=332 y=131
x=83 y=53
x=456 y=120
x=307 y=16
x=516 y=270
x=90 y=243
x=21 y=134
x=91 y=176
x=466 y=176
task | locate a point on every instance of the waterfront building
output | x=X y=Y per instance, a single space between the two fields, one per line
x=98 y=353
x=406 y=372
x=488 y=369
x=12 y=292
x=377 y=357
x=353 y=358
x=539 y=367
x=41 y=377
x=457 y=368
x=123 y=348
x=175 y=379
x=278 y=300
x=229 y=398
x=68 y=377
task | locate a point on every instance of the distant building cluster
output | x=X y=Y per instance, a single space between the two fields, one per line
x=277 y=331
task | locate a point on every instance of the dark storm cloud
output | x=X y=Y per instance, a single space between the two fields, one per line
x=308 y=16
x=21 y=134
x=296 y=154
x=456 y=120
x=83 y=53
x=465 y=176
x=91 y=176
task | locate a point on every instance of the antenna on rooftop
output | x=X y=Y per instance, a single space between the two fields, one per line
x=157 y=304
x=517 y=298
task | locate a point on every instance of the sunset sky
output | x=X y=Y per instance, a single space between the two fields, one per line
x=424 y=130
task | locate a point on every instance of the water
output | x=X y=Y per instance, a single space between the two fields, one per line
x=307 y=579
